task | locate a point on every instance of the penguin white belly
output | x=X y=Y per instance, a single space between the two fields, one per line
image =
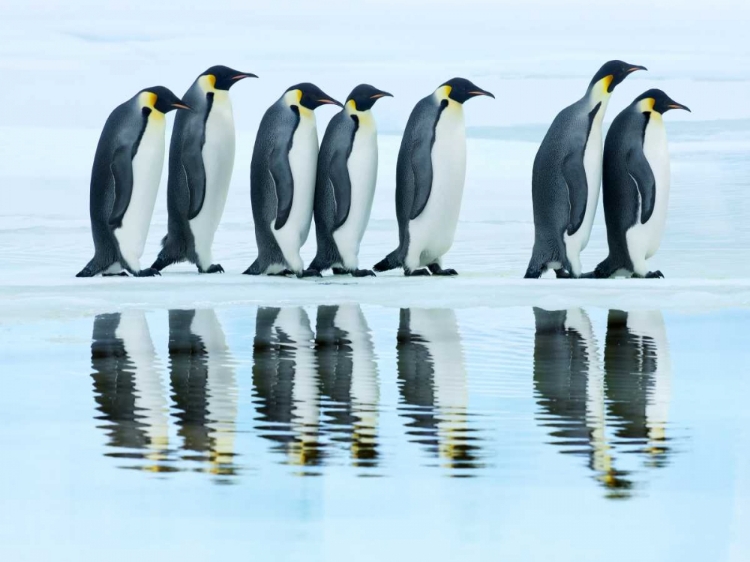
x=592 y=165
x=644 y=239
x=218 y=162
x=303 y=161
x=363 y=170
x=431 y=233
x=147 y=169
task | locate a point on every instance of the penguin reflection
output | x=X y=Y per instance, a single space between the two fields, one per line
x=204 y=388
x=637 y=376
x=432 y=382
x=128 y=388
x=286 y=383
x=572 y=388
x=349 y=378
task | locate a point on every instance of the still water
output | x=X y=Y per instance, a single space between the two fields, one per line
x=316 y=419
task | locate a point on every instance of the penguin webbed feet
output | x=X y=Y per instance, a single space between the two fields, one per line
x=213 y=268
x=339 y=271
x=310 y=273
x=121 y=274
x=435 y=269
x=650 y=275
x=148 y=272
x=362 y=273
x=422 y=272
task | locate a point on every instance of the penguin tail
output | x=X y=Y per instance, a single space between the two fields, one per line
x=391 y=261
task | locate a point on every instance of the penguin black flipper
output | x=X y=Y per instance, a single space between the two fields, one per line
x=575 y=179
x=641 y=174
x=342 y=186
x=283 y=181
x=122 y=172
x=421 y=164
x=195 y=172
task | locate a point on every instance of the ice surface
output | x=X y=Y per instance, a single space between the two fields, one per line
x=66 y=65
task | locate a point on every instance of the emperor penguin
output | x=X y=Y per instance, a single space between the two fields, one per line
x=345 y=186
x=282 y=179
x=430 y=174
x=566 y=176
x=201 y=158
x=124 y=182
x=636 y=185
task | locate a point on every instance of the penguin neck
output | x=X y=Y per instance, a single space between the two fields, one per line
x=647 y=106
x=147 y=100
x=292 y=98
x=598 y=93
x=364 y=118
x=207 y=85
x=443 y=94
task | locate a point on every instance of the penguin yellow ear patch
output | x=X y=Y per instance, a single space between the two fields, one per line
x=606 y=81
x=211 y=80
x=446 y=91
x=148 y=99
x=299 y=95
x=352 y=105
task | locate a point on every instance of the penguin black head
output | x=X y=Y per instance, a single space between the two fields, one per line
x=162 y=99
x=311 y=97
x=224 y=77
x=612 y=73
x=364 y=97
x=461 y=89
x=657 y=100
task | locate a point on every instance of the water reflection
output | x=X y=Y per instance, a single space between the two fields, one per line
x=316 y=394
x=604 y=410
x=204 y=389
x=286 y=384
x=349 y=379
x=432 y=382
x=128 y=388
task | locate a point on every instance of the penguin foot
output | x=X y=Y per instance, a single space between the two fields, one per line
x=310 y=273
x=339 y=271
x=282 y=273
x=148 y=272
x=562 y=274
x=213 y=268
x=655 y=275
x=435 y=269
x=416 y=273
x=121 y=274
x=362 y=273
x=589 y=275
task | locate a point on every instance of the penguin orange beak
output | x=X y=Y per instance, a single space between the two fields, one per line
x=481 y=93
x=381 y=95
x=636 y=67
x=332 y=102
x=182 y=106
x=675 y=105
x=244 y=75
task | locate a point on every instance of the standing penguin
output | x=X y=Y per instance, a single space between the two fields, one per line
x=201 y=158
x=345 y=187
x=282 y=179
x=566 y=177
x=636 y=185
x=124 y=182
x=430 y=175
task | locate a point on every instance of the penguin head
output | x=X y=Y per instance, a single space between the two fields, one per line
x=161 y=99
x=310 y=96
x=612 y=73
x=222 y=77
x=461 y=89
x=656 y=100
x=364 y=96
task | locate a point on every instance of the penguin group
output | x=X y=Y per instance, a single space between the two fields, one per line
x=293 y=179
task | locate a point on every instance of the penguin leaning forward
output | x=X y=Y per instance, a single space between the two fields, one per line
x=430 y=175
x=345 y=186
x=636 y=185
x=282 y=179
x=201 y=158
x=124 y=182
x=566 y=176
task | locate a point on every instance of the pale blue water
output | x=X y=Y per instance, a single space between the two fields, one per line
x=364 y=433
